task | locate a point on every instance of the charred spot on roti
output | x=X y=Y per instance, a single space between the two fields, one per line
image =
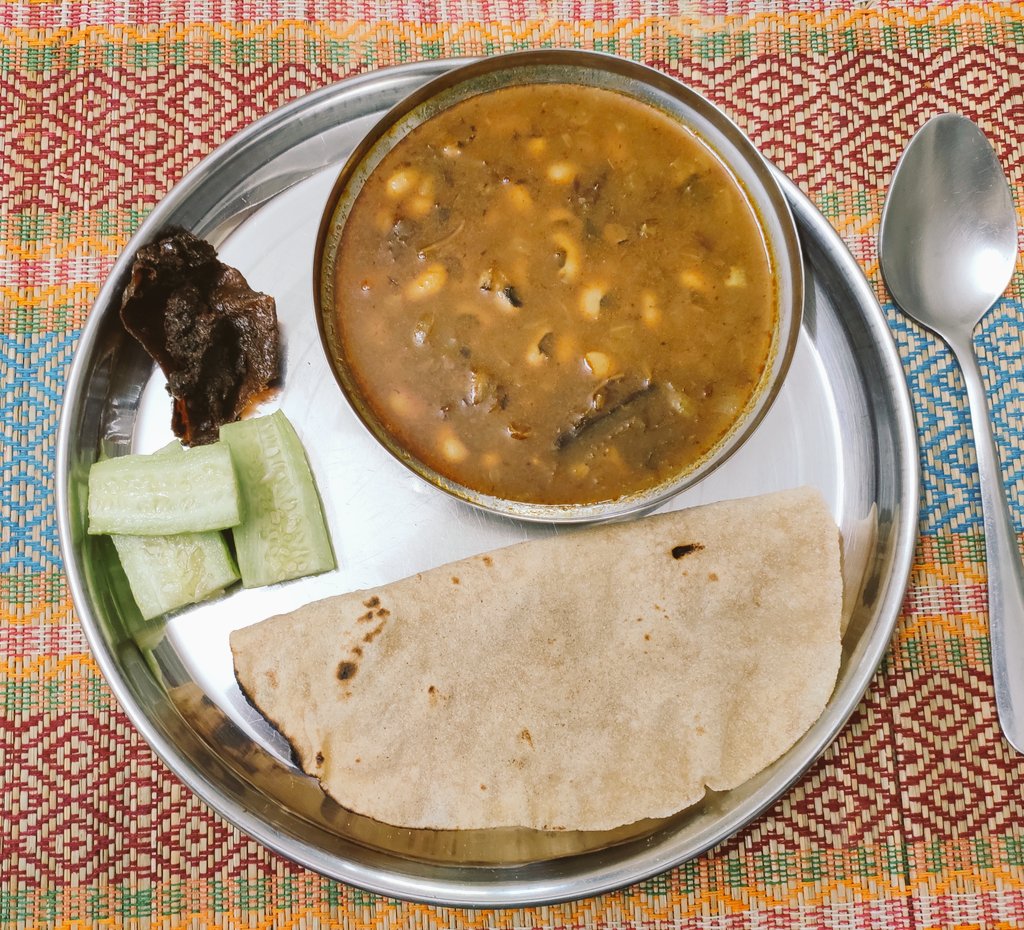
x=383 y=612
x=455 y=580
x=272 y=678
x=372 y=602
x=526 y=737
x=365 y=618
x=357 y=651
x=684 y=549
x=373 y=634
x=488 y=561
x=347 y=670
x=319 y=759
x=712 y=576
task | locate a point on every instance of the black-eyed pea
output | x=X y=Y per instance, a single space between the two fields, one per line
x=451 y=447
x=650 y=310
x=400 y=182
x=590 y=300
x=567 y=254
x=427 y=283
x=519 y=198
x=599 y=364
x=693 y=279
x=419 y=206
x=405 y=406
x=539 y=350
x=481 y=387
x=561 y=172
x=737 y=277
x=536 y=146
x=678 y=400
x=727 y=403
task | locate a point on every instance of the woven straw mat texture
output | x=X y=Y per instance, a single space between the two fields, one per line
x=914 y=818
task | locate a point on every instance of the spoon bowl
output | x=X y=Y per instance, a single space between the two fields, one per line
x=948 y=247
x=949 y=233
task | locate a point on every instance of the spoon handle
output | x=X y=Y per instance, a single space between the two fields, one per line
x=1005 y=570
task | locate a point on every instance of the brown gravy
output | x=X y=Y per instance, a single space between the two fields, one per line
x=555 y=294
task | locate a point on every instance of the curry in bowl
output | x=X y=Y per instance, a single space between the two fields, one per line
x=555 y=294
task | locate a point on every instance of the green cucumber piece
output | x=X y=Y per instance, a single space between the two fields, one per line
x=164 y=494
x=168 y=572
x=282 y=534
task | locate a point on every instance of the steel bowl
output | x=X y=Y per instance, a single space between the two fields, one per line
x=639 y=82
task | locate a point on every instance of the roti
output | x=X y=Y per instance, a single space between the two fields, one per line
x=580 y=682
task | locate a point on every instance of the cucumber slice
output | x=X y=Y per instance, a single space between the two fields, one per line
x=164 y=494
x=172 y=448
x=168 y=572
x=283 y=534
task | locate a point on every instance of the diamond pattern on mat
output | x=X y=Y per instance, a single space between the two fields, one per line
x=959 y=779
x=851 y=796
x=89 y=801
x=952 y=501
x=32 y=374
x=61 y=766
x=833 y=119
x=115 y=141
x=1000 y=344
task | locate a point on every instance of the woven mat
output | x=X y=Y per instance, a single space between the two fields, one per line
x=913 y=818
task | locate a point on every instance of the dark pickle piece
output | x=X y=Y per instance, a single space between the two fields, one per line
x=215 y=338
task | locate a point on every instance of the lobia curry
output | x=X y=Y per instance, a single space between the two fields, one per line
x=555 y=294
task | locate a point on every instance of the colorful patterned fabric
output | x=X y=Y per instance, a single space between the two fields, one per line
x=914 y=818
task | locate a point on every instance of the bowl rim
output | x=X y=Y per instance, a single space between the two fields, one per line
x=784 y=249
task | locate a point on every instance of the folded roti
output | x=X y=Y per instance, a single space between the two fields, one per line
x=580 y=682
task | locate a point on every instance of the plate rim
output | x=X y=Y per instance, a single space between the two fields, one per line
x=505 y=892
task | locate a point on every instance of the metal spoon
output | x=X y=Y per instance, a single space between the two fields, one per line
x=948 y=246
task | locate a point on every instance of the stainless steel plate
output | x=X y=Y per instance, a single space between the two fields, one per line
x=842 y=422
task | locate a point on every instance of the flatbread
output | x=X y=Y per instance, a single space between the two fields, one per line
x=581 y=682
